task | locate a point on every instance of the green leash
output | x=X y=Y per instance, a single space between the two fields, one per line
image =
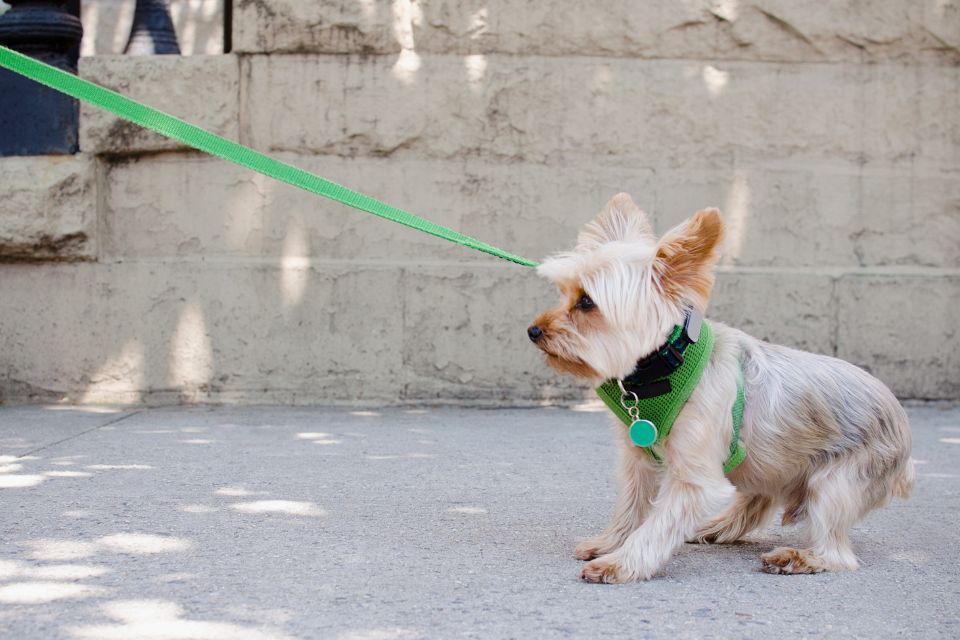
x=651 y=419
x=203 y=140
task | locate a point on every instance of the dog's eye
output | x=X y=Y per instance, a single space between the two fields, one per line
x=585 y=303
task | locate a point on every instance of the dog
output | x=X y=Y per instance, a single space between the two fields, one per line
x=825 y=441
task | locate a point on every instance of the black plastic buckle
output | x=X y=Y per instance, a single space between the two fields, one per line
x=649 y=390
x=667 y=359
x=672 y=356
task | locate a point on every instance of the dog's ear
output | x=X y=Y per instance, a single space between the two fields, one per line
x=686 y=256
x=621 y=219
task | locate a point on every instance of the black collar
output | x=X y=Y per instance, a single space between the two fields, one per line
x=649 y=377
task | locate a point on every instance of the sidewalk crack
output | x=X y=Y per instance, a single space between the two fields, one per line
x=77 y=435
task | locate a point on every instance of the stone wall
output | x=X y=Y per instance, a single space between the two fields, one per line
x=138 y=271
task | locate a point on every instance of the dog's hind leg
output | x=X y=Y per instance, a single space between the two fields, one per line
x=637 y=482
x=746 y=513
x=837 y=496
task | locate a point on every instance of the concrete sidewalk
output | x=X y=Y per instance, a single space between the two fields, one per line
x=242 y=523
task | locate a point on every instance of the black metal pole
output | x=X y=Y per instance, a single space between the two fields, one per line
x=227 y=26
x=73 y=8
x=35 y=120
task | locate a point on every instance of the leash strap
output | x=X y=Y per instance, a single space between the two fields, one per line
x=215 y=145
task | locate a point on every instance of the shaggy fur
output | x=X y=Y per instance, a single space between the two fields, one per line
x=826 y=441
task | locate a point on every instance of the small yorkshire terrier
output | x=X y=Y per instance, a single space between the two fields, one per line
x=825 y=440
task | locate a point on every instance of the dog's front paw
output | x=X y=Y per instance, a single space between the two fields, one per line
x=785 y=560
x=602 y=570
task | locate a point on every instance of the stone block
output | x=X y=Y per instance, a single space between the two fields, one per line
x=795 y=309
x=170 y=331
x=775 y=217
x=539 y=209
x=48 y=208
x=196 y=206
x=903 y=329
x=635 y=113
x=768 y=30
x=188 y=205
x=284 y=26
x=242 y=330
x=203 y=90
x=937 y=121
x=464 y=329
x=850 y=30
x=908 y=218
x=835 y=214
x=465 y=336
x=809 y=215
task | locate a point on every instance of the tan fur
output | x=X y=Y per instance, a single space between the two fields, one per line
x=685 y=256
x=790 y=561
x=558 y=325
x=825 y=440
x=620 y=219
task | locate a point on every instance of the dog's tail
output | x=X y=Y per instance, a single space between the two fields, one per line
x=903 y=484
x=906 y=475
x=903 y=475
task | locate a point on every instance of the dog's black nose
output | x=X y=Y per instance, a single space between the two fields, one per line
x=534 y=332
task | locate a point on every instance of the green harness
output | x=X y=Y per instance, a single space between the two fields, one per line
x=651 y=418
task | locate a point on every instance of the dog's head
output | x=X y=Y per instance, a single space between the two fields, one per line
x=623 y=290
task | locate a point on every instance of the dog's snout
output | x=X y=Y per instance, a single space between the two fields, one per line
x=534 y=332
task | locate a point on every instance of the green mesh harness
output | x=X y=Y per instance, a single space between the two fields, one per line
x=651 y=418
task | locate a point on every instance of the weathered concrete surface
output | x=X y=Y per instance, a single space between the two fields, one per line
x=403 y=524
x=884 y=340
x=206 y=94
x=48 y=208
x=801 y=215
x=816 y=214
x=782 y=307
x=151 y=206
x=768 y=30
x=221 y=332
x=301 y=332
x=677 y=113
x=829 y=137
x=306 y=334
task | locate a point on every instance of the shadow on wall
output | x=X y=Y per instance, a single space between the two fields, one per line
x=106 y=26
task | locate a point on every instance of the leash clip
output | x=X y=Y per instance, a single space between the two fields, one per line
x=643 y=433
x=632 y=410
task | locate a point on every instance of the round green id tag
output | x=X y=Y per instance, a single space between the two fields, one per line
x=643 y=433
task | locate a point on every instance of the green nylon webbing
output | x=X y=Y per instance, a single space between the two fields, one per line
x=663 y=410
x=198 y=138
x=738 y=451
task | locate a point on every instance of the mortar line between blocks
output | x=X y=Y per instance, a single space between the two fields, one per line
x=689 y=59
x=82 y=433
